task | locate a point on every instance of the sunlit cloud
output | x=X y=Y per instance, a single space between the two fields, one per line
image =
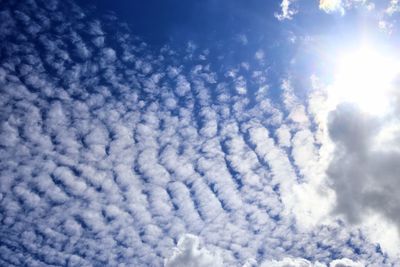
x=331 y=6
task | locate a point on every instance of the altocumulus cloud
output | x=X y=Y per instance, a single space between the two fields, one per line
x=113 y=152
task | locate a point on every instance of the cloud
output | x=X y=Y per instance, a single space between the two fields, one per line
x=287 y=11
x=298 y=262
x=364 y=169
x=242 y=39
x=394 y=7
x=291 y=262
x=345 y=263
x=189 y=253
x=331 y=6
x=259 y=55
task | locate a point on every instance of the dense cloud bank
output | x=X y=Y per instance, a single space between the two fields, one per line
x=365 y=170
x=111 y=152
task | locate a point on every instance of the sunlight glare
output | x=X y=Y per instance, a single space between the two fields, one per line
x=365 y=78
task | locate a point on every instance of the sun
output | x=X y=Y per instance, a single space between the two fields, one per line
x=365 y=77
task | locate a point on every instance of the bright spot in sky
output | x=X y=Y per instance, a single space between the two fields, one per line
x=365 y=77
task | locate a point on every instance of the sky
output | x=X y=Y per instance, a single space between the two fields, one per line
x=200 y=133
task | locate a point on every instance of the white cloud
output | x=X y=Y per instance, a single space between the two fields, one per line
x=287 y=11
x=284 y=136
x=394 y=6
x=345 y=263
x=331 y=6
x=298 y=262
x=188 y=253
x=259 y=55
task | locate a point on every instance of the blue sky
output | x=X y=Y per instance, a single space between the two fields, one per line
x=199 y=133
